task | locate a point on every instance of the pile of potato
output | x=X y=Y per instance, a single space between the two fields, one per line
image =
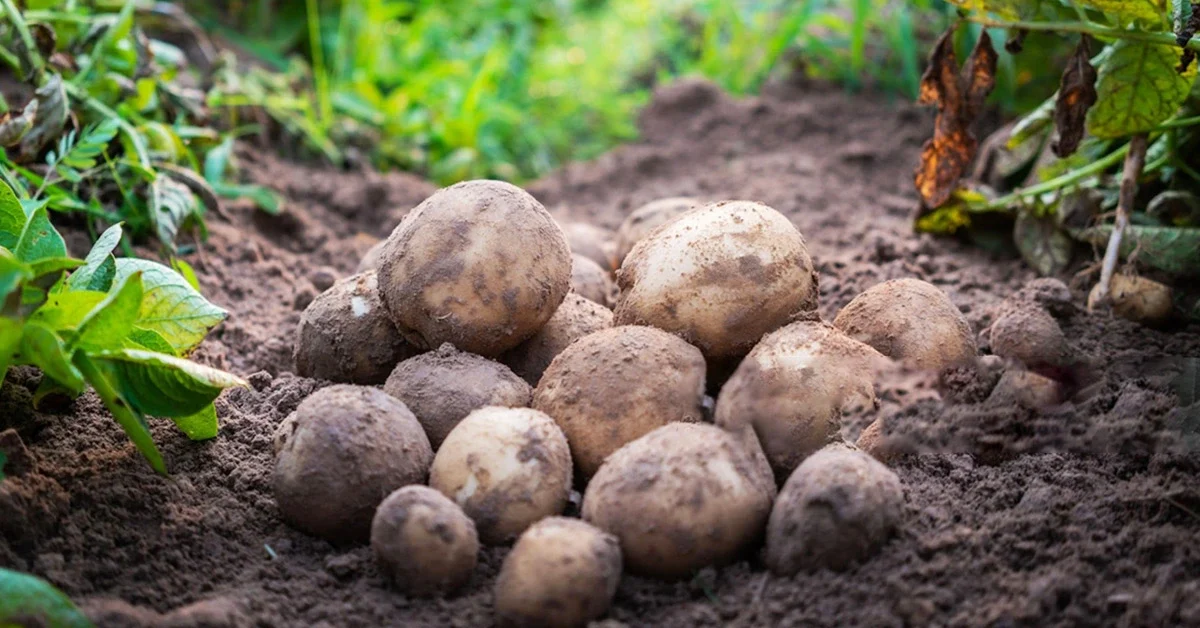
x=507 y=383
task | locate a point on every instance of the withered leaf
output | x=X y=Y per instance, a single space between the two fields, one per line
x=13 y=128
x=1076 y=94
x=959 y=96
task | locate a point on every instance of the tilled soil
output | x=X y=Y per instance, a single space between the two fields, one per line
x=1087 y=513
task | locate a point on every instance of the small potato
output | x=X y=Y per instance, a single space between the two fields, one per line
x=1137 y=299
x=444 y=386
x=562 y=573
x=507 y=468
x=595 y=243
x=838 y=507
x=681 y=498
x=480 y=264
x=616 y=385
x=591 y=281
x=872 y=441
x=793 y=388
x=720 y=277
x=350 y=447
x=423 y=542
x=574 y=319
x=912 y=321
x=647 y=218
x=345 y=335
x=1026 y=389
x=1029 y=334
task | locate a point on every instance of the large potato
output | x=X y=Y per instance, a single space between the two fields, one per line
x=574 y=319
x=441 y=387
x=618 y=384
x=912 y=321
x=720 y=276
x=793 y=388
x=480 y=264
x=345 y=450
x=681 y=498
x=647 y=218
x=423 y=542
x=507 y=468
x=561 y=573
x=346 y=336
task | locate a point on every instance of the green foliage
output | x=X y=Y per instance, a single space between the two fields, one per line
x=1138 y=89
x=29 y=601
x=118 y=325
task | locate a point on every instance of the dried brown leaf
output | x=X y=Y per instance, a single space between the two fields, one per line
x=1076 y=95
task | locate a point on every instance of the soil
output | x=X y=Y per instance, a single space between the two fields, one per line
x=1085 y=513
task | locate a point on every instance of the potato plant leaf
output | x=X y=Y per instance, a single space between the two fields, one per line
x=202 y=425
x=12 y=217
x=1125 y=12
x=1076 y=95
x=112 y=320
x=129 y=419
x=10 y=341
x=66 y=310
x=99 y=267
x=1042 y=244
x=172 y=208
x=1138 y=89
x=29 y=601
x=148 y=339
x=1175 y=250
x=39 y=239
x=171 y=306
x=42 y=347
x=12 y=274
x=1033 y=125
x=163 y=385
x=13 y=128
x=51 y=118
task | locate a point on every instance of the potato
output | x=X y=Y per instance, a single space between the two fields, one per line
x=480 y=264
x=349 y=448
x=720 y=276
x=1026 y=389
x=423 y=542
x=912 y=321
x=444 y=386
x=871 y=441
x=616 y=385
x=647 y=218
x=507 y=468
x=681 y=498
x=838 y=507
x=1137 y=299
x=345 y=335
x=574 y=319
x=1030 y=335
x=591 y=281
x=370 y=260
x=561 y=573
x=793 y=388
x=595 y=243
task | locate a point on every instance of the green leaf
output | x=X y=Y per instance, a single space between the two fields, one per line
x=171 y=306
x=12 y=217
x=263 y=197
x=51 y=265
x=10 y=340
x=111 y=322
x=66 y=310
x=29 y=601
x=152 y=340
x=172 y=208
x=216 y=162
x=163 y=385
x=202 y=425
x=185 y=270
x=41 y=347
x=99 y=266
x=1125 y=12
x=1035 y=124
x=130 y=420
x=12 y=274
x=1175 y=250
x=1138 y=89
x=1043 y=245
x=82 y=154
x=39 y=240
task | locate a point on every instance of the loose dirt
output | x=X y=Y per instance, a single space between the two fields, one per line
x=1086 y=513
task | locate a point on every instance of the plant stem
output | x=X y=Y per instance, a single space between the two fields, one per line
x=1177 y=123
x=1095 y=30
x=1061 y=181
x=1134 y=161
x=23 y=32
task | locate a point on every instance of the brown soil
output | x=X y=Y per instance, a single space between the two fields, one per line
x=1086 y=513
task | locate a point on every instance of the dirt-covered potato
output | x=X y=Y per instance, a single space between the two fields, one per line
x=793 y=388
x=681 y=498
x=1137 y=299
x=912 y=321
x=423 y=542
x=349 y=448
x=595 y=243
x=370 y=260
x=562 y=573
x=346 y=336
x=441 y=387
x=591 y=281
x=574 y=319
x=647 y=218
x=1026 y=389
x=872 y=441
x=616 y=385
x=480 y=264
x=720 y=276
x=507 y=468
x=839 y=507
x=1028 y=334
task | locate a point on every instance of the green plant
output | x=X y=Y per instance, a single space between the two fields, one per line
x=26 y=600
x=1131 y=102
x=119 y=325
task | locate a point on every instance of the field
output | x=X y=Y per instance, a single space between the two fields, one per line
x=1084 y=510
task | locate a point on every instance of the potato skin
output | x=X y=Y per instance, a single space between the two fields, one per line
x=719 y=276
x=349 y=447
x=912 y=321
x=423 y=542
x=444 y=386
x=838 y=507
x=616 y=385
x=647 y=218
x=574 y=319
x=480 y=264
x=1137 y=299
x=793 y=387
x=1026 y=389
x=683 y=497
x=592 y=282
x=562 y=573
x=595 y=243
x=1030 y=335
x=507 y=468
x=346 y=336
